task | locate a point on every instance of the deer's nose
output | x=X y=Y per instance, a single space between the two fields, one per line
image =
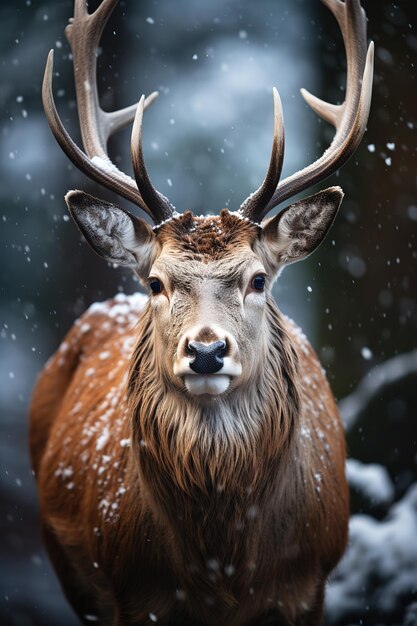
x=206 y=358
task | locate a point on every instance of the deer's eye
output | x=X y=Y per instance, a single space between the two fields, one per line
x=155 y=285
x=258 y=282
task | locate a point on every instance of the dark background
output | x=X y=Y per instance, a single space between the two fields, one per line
x=207 y=144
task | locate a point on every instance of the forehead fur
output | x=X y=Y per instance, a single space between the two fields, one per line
x=207 y=238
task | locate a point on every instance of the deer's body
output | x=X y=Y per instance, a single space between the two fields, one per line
x=189 y=452
x=220 y=554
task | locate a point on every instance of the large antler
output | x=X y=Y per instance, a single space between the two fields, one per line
x=349 y=118
x=83 y=33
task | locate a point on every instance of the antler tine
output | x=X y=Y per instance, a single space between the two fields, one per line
x=254 y=206
x=340 y=150
x=109 y=176
x=80 y=9
x=349 y=118
x=83 y=33
x=123 y=117
x=352 y=22
x=162 y=209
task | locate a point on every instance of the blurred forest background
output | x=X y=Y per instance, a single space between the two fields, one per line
x=207 y=143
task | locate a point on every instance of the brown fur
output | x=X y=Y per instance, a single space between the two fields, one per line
x=208 y=239
x=155 y=504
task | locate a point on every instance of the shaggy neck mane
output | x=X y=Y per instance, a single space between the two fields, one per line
x=220 y=454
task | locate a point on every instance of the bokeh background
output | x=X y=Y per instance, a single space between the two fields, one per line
x=207 y=142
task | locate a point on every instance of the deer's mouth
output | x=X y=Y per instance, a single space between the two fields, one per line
x=207 y=384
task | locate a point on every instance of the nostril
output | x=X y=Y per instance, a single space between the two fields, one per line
x=189 y=349
x=221 y=349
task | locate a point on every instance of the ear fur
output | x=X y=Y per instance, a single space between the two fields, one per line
x=298 y=230
x=112 y=232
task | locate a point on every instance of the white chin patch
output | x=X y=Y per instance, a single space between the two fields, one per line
x=212 y=385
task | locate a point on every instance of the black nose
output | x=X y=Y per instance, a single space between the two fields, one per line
x=208 y=359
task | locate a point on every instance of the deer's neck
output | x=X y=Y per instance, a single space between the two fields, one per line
x=208 y=469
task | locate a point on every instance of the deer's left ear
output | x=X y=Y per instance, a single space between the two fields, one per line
x=298 y=230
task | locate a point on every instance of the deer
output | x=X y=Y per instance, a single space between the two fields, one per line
x=187 y=447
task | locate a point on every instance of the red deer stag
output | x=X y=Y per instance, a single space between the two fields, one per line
x=188 y=449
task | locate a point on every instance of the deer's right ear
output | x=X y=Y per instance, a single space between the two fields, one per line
x=112 y=232
x=298 y=230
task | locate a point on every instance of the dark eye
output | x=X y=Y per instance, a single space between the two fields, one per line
x=156 y=285
x=258 y=282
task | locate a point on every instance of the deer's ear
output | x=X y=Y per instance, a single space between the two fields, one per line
x=298 y=230
x=112 y=232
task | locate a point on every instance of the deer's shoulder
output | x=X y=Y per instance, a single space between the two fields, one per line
x=104 y=322
x=101 y=340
